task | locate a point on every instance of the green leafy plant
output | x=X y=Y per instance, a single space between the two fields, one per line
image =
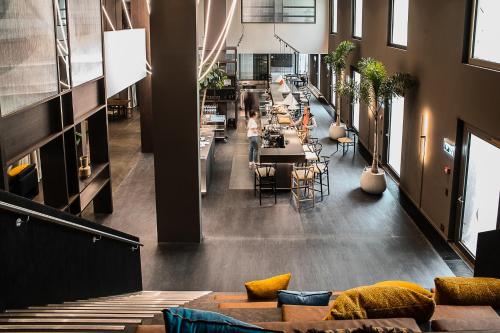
x=213 y=80
x=376 y=90
x=337 y=60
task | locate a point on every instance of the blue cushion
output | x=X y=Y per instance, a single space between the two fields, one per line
x=182 y=320
x=311 y=298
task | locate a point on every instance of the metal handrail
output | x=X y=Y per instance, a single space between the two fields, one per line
x=48 y=218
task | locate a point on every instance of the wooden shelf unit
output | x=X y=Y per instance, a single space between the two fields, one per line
x=50 y=127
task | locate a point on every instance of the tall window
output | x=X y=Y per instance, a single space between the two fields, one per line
x=357 y=18
x=399 y=22
x=334 y=94
x=278 y=11
x=396 y=117
x=355 y=106
x=334 y=16
x=485 y=48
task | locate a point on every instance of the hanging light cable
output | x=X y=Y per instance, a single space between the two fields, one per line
x=66 y=49
x=222 y=37
x=127 y=15
x=207 y=23
x=107 y=18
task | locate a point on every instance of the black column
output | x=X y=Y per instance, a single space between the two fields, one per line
x=175 y=120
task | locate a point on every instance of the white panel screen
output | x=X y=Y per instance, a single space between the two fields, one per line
x=125 y=59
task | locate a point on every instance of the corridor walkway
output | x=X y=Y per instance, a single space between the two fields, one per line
x=349 y=239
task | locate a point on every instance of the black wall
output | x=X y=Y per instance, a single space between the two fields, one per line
x=43 y=262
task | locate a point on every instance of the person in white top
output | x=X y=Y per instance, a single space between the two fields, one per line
x=253 y=133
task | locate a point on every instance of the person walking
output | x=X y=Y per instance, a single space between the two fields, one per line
x=253 y=133
x=249 y=103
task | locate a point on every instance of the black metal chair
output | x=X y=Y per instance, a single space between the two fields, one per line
x=265 y=179
x=347 y=141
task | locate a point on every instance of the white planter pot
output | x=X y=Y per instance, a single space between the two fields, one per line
x=373 y=183
x=337 y=131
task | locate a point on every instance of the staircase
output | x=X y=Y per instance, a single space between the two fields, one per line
x=105 y=314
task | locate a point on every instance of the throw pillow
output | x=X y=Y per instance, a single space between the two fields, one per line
x=377 y=302
x=198 y=321
x=467 y=291
x=405 y=284
x=16 y=170
x=311 y=298
x=267 y=289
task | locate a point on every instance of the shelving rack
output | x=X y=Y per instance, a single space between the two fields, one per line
x=50 y=127
x=228 y=95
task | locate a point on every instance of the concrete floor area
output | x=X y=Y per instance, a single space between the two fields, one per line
x=347 y=240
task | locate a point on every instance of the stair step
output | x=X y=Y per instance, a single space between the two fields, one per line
x=63 y=327
x=102 y=308
x=44 y=310
x=76 y=315
x=71 y=320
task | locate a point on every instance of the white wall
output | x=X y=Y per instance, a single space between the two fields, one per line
x=259 y=37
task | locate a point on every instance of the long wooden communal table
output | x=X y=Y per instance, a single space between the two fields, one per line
x=283 y=157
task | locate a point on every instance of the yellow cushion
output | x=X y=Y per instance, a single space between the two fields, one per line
x=377 y=302
x=268 y=288
x=405 y=284
x=467 y=291
x=17 y=170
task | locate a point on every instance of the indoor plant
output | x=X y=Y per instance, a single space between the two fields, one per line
x=337 y=61
x=213 y=80
x=376 y=90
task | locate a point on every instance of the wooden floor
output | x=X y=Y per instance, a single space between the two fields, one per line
x=349 y=239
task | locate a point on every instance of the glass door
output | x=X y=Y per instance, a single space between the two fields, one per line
x=479 y=194
x=395 y=134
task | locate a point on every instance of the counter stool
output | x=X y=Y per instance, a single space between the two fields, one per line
x=308 y=144
x=302 y=185
x=321 y=175
x=265 y=179
x=314 y=151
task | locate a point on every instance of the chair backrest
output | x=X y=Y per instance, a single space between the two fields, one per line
x=302 y=133
x=317 y=147
x=264 y=170
x=305 y=172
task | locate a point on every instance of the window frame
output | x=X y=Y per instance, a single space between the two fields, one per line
x=387 y=137
x=472 y=38
x=353 y=20
x=334 y=13
x=391 y=27
x=274 y=21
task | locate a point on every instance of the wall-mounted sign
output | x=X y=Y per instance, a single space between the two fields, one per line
x=449 y=147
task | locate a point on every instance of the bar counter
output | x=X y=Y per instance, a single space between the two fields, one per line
x=284 y=157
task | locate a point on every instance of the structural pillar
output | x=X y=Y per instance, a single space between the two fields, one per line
x=176 y=120
x=140 y=19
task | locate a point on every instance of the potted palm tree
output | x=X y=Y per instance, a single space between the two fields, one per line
x=337 y=61
x=213 y=80
x=376 y=90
